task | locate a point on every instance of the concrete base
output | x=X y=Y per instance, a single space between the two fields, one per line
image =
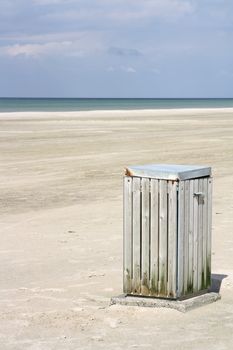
x=179 y=305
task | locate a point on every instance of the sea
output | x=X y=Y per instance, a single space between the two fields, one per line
x=89 y=104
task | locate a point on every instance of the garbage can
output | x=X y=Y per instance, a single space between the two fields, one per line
x=167 y=230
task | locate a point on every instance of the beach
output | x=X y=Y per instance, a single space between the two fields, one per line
x=61 y=227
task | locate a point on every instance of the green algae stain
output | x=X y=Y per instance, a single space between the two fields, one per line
x=190 y=287
x=127 y=282
x=208 y=276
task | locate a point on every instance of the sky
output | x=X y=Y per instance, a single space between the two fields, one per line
x=116 y=48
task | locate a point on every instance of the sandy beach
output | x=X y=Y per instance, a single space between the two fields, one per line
x=61 y=227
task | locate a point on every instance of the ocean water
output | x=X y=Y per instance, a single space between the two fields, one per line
x=88 y=104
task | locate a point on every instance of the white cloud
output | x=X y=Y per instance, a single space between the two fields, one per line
x=91 y=37
x=121 y=11
x=35 y=50
x=74 y=44
x=127 y=69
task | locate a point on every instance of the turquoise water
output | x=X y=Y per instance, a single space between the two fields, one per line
x=88 y=104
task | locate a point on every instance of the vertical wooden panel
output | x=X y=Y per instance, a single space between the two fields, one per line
x=186 y=234
x=154 y=231
x=172 y=238
x=205 y=233
x=208 y=267
x=200 y=233
x=195 y=238
x=145 y=242
x=163 y=238
x=190 y=237
x=180 y=244
x=136 y=285
x=127 y=234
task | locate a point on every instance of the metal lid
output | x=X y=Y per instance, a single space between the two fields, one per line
x=168 y=171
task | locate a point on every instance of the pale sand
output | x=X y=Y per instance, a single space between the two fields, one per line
x=61 y=227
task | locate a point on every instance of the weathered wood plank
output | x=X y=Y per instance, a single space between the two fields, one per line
x=180 y=243
x=127 y=274
x=205 y=232
x=162 y=237
x=190 y=237
x=136 y=285
x=172 y=238
x=209 y=238
x=195 y=238
x=145 y=242
x=200 y=234
x=186 y=234
x=154 y=230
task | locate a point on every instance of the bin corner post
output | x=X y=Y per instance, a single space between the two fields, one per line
x=180 y=239
x=209 y=231
x=127 y=234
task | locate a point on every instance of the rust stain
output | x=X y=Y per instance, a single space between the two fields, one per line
x=145 y=290
x=174 y=181
x=128 y=172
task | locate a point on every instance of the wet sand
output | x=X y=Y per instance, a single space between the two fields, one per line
x=61 y=227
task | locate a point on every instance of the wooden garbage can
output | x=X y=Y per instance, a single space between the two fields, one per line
x=167 y=230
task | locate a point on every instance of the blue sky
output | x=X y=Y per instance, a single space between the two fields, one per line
x=116 y=48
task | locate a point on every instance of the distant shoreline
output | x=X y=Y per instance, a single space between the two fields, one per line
x=116 y=113
x=64 y=105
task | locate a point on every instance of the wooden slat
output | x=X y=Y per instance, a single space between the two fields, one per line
x=186 y=234
x=195 y=238
x=200 y=234
x=145 y=241
x=154 y=222
x=163 y=238
x=180 y=243
x=127 y=234
x=209 y=239
x=190 y=238
x=172 y=238
x=136 y=285
x=205 y=232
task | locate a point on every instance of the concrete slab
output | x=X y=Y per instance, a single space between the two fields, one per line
x=179 y=305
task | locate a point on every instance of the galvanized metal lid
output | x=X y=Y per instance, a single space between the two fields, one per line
x=168 y=171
